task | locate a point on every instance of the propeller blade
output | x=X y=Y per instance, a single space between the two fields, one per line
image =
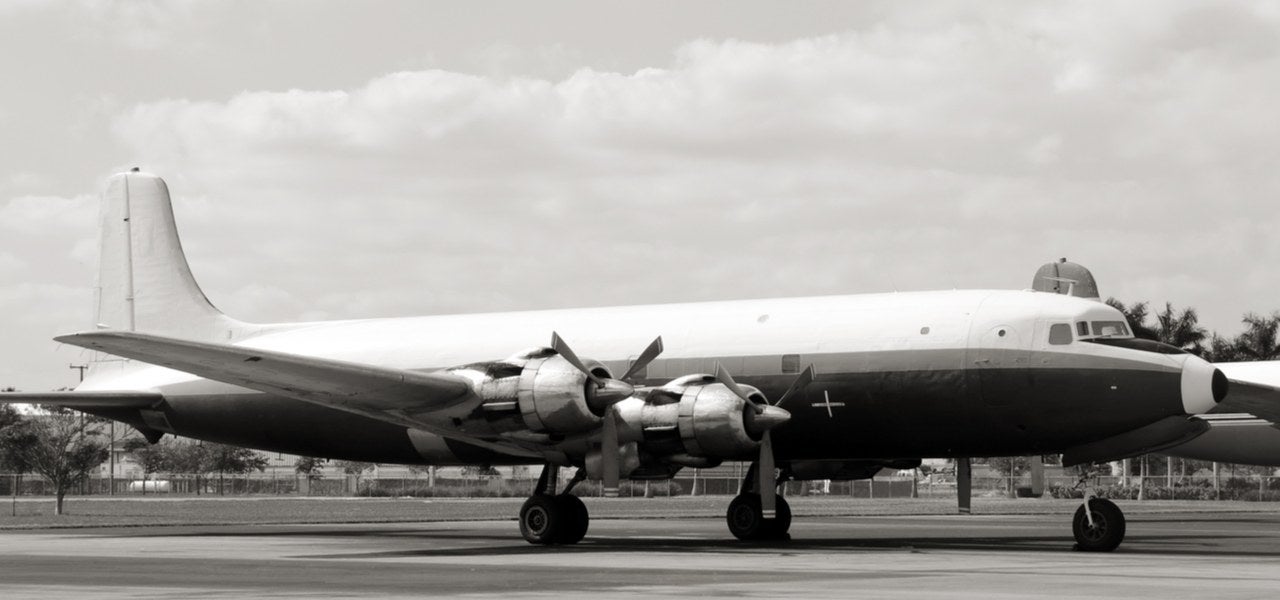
x=804 y=379
x=565 y=351
x=610 y=453
x=768 y=483
x=725 y=379
x=646 y=357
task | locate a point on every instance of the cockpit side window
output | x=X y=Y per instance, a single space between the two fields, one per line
x=1059 y=334
x=1110 y=329
x=1082 y=328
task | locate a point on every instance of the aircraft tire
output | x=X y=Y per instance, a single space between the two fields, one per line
x=576 y=519
x=1108 y=527
x=542 y=520
x=777 y=528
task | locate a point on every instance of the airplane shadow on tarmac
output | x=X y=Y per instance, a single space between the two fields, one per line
x=502 y=545
x=463 y=540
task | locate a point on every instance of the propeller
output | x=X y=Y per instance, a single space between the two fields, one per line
x=610 y=453
x=607 y=393
x=767 y=416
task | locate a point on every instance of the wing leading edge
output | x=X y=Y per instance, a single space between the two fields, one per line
x=103 y=399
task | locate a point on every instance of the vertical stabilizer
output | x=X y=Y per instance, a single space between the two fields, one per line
x=144 y=283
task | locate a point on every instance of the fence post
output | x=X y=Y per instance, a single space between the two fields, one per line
x=1217 y=492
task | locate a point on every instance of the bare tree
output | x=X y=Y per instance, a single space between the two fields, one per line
x=54 y=446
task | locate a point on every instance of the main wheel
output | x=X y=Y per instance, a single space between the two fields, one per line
x=746 y=518
x=1107 y=530
x=575 y=519
x=778 y=526
x=746 y=522
x=542 y=520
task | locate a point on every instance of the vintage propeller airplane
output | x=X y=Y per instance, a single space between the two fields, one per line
x=803 y=388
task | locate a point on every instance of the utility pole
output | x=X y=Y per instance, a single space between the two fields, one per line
x=81 y=369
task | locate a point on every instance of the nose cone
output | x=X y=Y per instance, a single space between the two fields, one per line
x=1203 y=386
x=769 y=418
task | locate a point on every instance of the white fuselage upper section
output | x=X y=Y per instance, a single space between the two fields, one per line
x=613 y=335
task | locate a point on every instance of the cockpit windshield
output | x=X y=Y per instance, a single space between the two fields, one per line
x=1102 y=329
x=1110 y=329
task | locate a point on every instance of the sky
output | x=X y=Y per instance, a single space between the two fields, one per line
x=378 y=159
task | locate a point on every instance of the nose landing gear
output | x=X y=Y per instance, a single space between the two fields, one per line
x=1098 y=524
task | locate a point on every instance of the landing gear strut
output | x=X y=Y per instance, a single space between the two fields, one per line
x=746 y=517
x=549 y=518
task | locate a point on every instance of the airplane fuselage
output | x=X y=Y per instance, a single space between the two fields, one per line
x=949 y=373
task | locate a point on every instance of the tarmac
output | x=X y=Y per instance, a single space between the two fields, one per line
x=1165 y=555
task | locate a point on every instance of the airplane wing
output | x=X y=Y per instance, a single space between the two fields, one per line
x=393 y=395
x=1257 y=399
x=103 y=399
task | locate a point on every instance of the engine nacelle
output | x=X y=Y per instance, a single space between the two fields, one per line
x=713 y=421
x=536 y=390
x=552 y=396
x=691 y=420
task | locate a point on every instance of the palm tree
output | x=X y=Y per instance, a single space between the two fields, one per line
x=1222 y=350
x=1181 y=330
x=1258 y=340
x=1136 y=315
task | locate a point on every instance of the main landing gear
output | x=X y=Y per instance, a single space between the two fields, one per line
x=746 y=515
x=549 y=518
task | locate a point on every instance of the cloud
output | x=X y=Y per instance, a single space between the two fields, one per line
x=938 y=147
x=10 y=265
x=49 y=213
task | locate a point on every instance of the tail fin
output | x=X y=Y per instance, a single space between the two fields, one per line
x=144 y=282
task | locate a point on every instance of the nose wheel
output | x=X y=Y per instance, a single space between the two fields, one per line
x=1098 y=525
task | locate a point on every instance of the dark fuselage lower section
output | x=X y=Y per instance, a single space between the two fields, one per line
x=927 y=413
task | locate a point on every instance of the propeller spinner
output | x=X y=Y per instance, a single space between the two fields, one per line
x=607 y=391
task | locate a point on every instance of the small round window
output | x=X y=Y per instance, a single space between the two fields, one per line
x=1000 y=333
x=924 y=331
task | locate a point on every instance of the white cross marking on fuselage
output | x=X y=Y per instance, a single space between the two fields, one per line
x=827 y=404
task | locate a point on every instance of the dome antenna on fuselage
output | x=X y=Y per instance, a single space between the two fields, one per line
x=1067 y=278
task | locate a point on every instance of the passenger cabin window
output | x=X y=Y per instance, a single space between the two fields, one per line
x=1059 y=334
x=790 y=363
x=1082 y=328
x=1110 y=328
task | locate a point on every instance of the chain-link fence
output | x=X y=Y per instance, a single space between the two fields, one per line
x=691 y=482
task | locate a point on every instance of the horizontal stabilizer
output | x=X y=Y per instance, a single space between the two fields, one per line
x=338 y=384
x=86 y=399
